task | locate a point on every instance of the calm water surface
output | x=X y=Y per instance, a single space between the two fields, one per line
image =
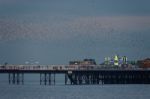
x=32 y=90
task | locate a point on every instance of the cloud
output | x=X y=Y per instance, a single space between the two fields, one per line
x=53 y=29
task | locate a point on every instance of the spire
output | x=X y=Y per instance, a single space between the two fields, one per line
x=116 y=60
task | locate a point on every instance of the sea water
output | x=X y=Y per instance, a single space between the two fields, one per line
x=33 y=90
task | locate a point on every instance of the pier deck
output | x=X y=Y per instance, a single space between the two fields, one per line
x=77 y=76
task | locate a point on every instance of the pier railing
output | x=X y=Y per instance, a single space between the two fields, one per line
x=64 y=67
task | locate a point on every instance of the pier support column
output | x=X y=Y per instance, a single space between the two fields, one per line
x=66 y=78
x=18 y=80
x=40 y=78
x=46 y=79
x=9 y=79
x=15 y=78
x=22 y=78
x=54 y=79
x=49 y=78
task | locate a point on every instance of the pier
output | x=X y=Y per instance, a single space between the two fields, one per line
x=75 y=75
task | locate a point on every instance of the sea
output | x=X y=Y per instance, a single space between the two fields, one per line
x=33 y=90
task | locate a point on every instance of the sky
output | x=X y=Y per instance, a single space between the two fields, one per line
x=57 y=31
